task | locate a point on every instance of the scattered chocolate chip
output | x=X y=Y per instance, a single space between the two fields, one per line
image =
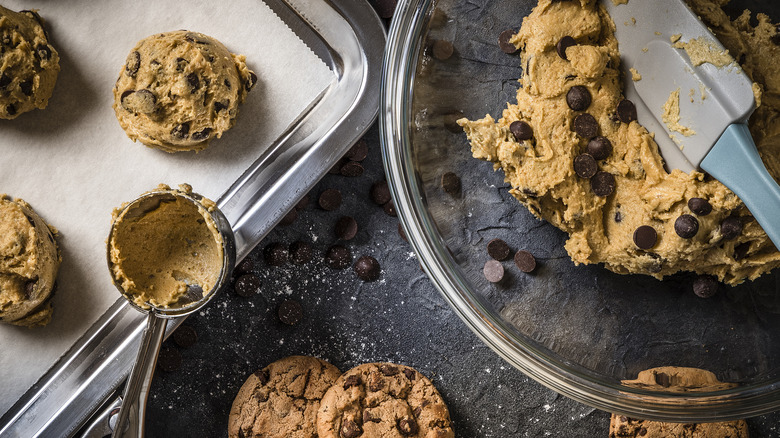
x=367 y=268
x=700 y=206
x=275 y=254
x=380 y=193
x=493 y=271
x=451 y=183
x=686 y=226
x=645 y=237
x=245 y=267
x=503 y=41
x=586 y=126
x=303 y=202
x=180 y=132
x=407 y=426
x=330 y=199
x=201 y=135
x=289 y=218
x=731 y=227
x=705 y=286
x=350 y=429
x=346 y=228
x=442 y=50
x=389 y=208
x=521 y=130
x=194 y=81
x=351 y=169
x=599 y=147
x=168 y=359
x=585 y=166
x=358 y=151
x=300 y=252
x=498 y=249
x=247 y=285
x=26 y=87
x=525 y=261
x=250 y=81
x=336 y=169
x=132 y=64
x=451 y=122
x=741 y=250
x=578 y=98
x=185 y=336
x=626 y=111
x=338 y=257
x=602 y=183
x=563 y=44
x=290 y=312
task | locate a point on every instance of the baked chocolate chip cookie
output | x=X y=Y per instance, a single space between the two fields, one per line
x=282 y=399
x=29 y=64
x=383 y=400
x=624 y=427
x=178 y=90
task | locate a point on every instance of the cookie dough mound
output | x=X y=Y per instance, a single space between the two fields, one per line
x=178 y=90
x=282 y=399
x=575 y=155
x=28 y=63
x=29 y=260
x=383 y=400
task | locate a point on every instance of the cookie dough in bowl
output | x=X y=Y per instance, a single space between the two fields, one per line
x=179 y=90
x=29 y=261
x=29 y=65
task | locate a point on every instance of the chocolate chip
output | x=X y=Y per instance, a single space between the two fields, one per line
x=368 y=418
x=686 y=226
x=290 y=312
x=245 y=267
x=351 y=169
x=275 y=254
x=180 y=132
x=586 y=126
x=43 y=51
x=407 y=426
x=367 y=268
x=521 y=130
x=220 y=106
x=599 y=147
x=263 y=376
x=775 y=39
x=741 y=250
x=289 y=218
x=303 y=202
x=410 y=374
x=493 y=271
x=503 y=41
x=563 y=44
x=168 y=359
x=618 y=217
x=10 y=109
x=346 y=228
x=338 y=257
x=645 y=237
x=602 y=183
x=578 y=98
x=375 y=382
x=389 y=208
x=139 y=101
x=451 y=122
x=29 y=288
x=358 y=151
x=194 y=81
x=525 y=261
x=380 y=193
x=300 y=252
x=450 y=182
x=26 y=87
x=330 y=199
x=132 y=64
x=585 y=166
x=498 y=249
x=731 y=227
x=663 y=380
x=705 y=286
x=185 y=336
x=202 y=134
x=350 y=429
x=626 y=111
x=5 y=80
x=247 y=285
x=388 y=370
x=250 y=81
x=442 y=50
x=700 y=206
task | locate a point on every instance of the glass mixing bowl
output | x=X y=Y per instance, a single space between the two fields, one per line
x=583 y=331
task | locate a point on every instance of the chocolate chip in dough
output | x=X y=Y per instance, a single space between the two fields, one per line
x=586 y=126
x=645 y=237
x=450 y=182
x=250 y=81
x=194 y=82
x=705 y=286
x=367 y=268
x=504 y=44
x=358 y=151
x=578 y=98
x=585 y=166
x=525 y=261
x=139 y=101
x=247 y=285
x=300 y=252
x=602 y=183
x=5 y=80
x=10 y=109
x=700 y=206
x=26 y=87
x=169 y=359
x=407 y=426
x=741 y=250
x=731 y=227
x=185 y=336
x=521 y=130
x=132 y=64
x=201 y=135
x=330 y=199
x=351 y=169
x=290 y=312
x=626 y=111
x=498 y=249
x=380 y=193
x=275 y=254
x=563 y=44
x=599 y=147
x=442 y=50
x=346 y=228
x=338 y=257
x=686 y=226
x=493 y=271
x=181 y=131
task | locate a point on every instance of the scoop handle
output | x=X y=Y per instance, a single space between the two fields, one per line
x=734 y=161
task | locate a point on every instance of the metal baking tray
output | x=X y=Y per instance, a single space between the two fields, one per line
x=349 y=37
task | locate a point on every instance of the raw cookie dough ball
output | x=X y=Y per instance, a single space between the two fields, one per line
x=29 y=260
x=28 y=63
x=178 y=90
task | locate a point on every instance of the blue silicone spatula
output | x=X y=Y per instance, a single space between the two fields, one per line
x=714 y=102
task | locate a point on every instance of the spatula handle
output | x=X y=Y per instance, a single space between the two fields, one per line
x=735 y=162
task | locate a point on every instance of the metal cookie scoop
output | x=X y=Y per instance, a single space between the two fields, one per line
x=138 y=228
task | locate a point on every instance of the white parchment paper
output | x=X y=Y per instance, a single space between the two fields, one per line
x=74 y=164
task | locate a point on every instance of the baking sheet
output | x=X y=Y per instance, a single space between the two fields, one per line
x=73 y=163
